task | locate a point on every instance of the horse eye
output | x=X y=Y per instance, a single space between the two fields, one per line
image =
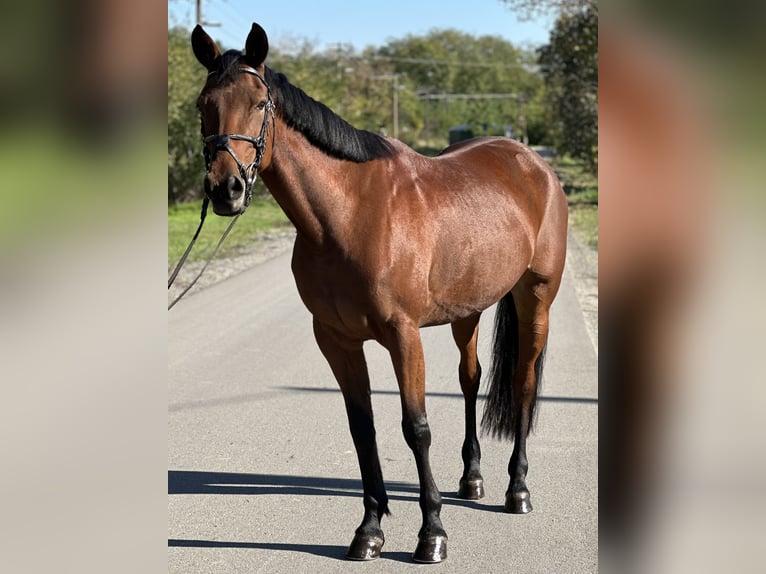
x=261 y=105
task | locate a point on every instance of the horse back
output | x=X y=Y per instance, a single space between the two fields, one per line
x=462 y=227
x=527 y=183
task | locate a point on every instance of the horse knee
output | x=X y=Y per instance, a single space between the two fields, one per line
x=417 y=433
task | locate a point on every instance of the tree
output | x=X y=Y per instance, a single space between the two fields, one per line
x=185 y=80
x=454 y=72
x=528 y=9
x=348 y=83
x=570 y=67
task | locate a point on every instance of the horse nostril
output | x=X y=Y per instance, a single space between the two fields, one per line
x=208 y=186
x=236 y=185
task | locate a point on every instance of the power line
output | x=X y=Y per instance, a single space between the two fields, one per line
x=528 y=67
x=468 y=96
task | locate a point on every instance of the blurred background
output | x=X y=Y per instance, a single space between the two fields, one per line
x=682 y=469
x=82 y=262
x=680 y=198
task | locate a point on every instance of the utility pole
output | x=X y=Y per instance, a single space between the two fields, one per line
x=395 y=106
x=200 y=21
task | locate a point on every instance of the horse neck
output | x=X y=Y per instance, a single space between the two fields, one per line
x=312 y=188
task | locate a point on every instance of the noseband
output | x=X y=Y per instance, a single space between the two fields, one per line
x=249 y=173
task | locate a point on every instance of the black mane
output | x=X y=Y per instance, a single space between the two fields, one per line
x=322 y=127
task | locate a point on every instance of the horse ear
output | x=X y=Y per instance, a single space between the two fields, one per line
x=205 y=48
x=257 y=45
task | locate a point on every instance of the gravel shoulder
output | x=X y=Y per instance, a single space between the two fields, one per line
x=582 y=263
x=266 y=246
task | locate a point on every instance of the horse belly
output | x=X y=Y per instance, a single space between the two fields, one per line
x=474 y=273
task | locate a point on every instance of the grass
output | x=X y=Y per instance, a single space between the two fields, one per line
x=262 y=215
x=581 y=189
x=584 y=222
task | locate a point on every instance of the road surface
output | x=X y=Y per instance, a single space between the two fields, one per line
x=262 y=472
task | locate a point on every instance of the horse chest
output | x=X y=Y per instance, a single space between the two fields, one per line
x=337 y=296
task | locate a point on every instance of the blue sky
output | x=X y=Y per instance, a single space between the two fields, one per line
x=357 y=22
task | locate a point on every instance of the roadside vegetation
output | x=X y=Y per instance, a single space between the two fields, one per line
x=263 y=215
x=581 y=188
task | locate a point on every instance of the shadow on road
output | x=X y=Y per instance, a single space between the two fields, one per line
x=544 y=398
x=251 y=397
x=227 y=483
x=328 y=551
x=337 y=552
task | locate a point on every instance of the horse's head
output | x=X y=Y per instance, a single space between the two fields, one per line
x=235 y=110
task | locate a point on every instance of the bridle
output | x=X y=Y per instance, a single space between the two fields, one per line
x=249 y=173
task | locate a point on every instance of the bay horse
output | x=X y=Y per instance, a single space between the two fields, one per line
x=389 y=241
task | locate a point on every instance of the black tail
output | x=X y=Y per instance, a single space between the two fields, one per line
x=502 y=407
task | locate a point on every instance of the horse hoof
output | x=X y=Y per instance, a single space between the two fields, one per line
x=518 y=502
x=471 y=489
x=431 y=550
x=365 y=547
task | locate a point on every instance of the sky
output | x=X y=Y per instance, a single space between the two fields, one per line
x=358 y=22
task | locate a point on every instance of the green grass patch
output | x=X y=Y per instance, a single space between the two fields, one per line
x=262 y=215
x=581 y=189
x=583 y=220
x=580 y=186
x=584 y=197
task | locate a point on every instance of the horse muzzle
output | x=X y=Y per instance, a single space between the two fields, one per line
x=227 y=196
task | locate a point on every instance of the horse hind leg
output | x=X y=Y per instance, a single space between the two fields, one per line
x=533 y=301
x=521 y=333
x=465 y=332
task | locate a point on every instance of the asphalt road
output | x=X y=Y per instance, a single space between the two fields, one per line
x=262 y=474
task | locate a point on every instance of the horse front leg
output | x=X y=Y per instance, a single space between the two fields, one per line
x=406 y=351
x=349 y=366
